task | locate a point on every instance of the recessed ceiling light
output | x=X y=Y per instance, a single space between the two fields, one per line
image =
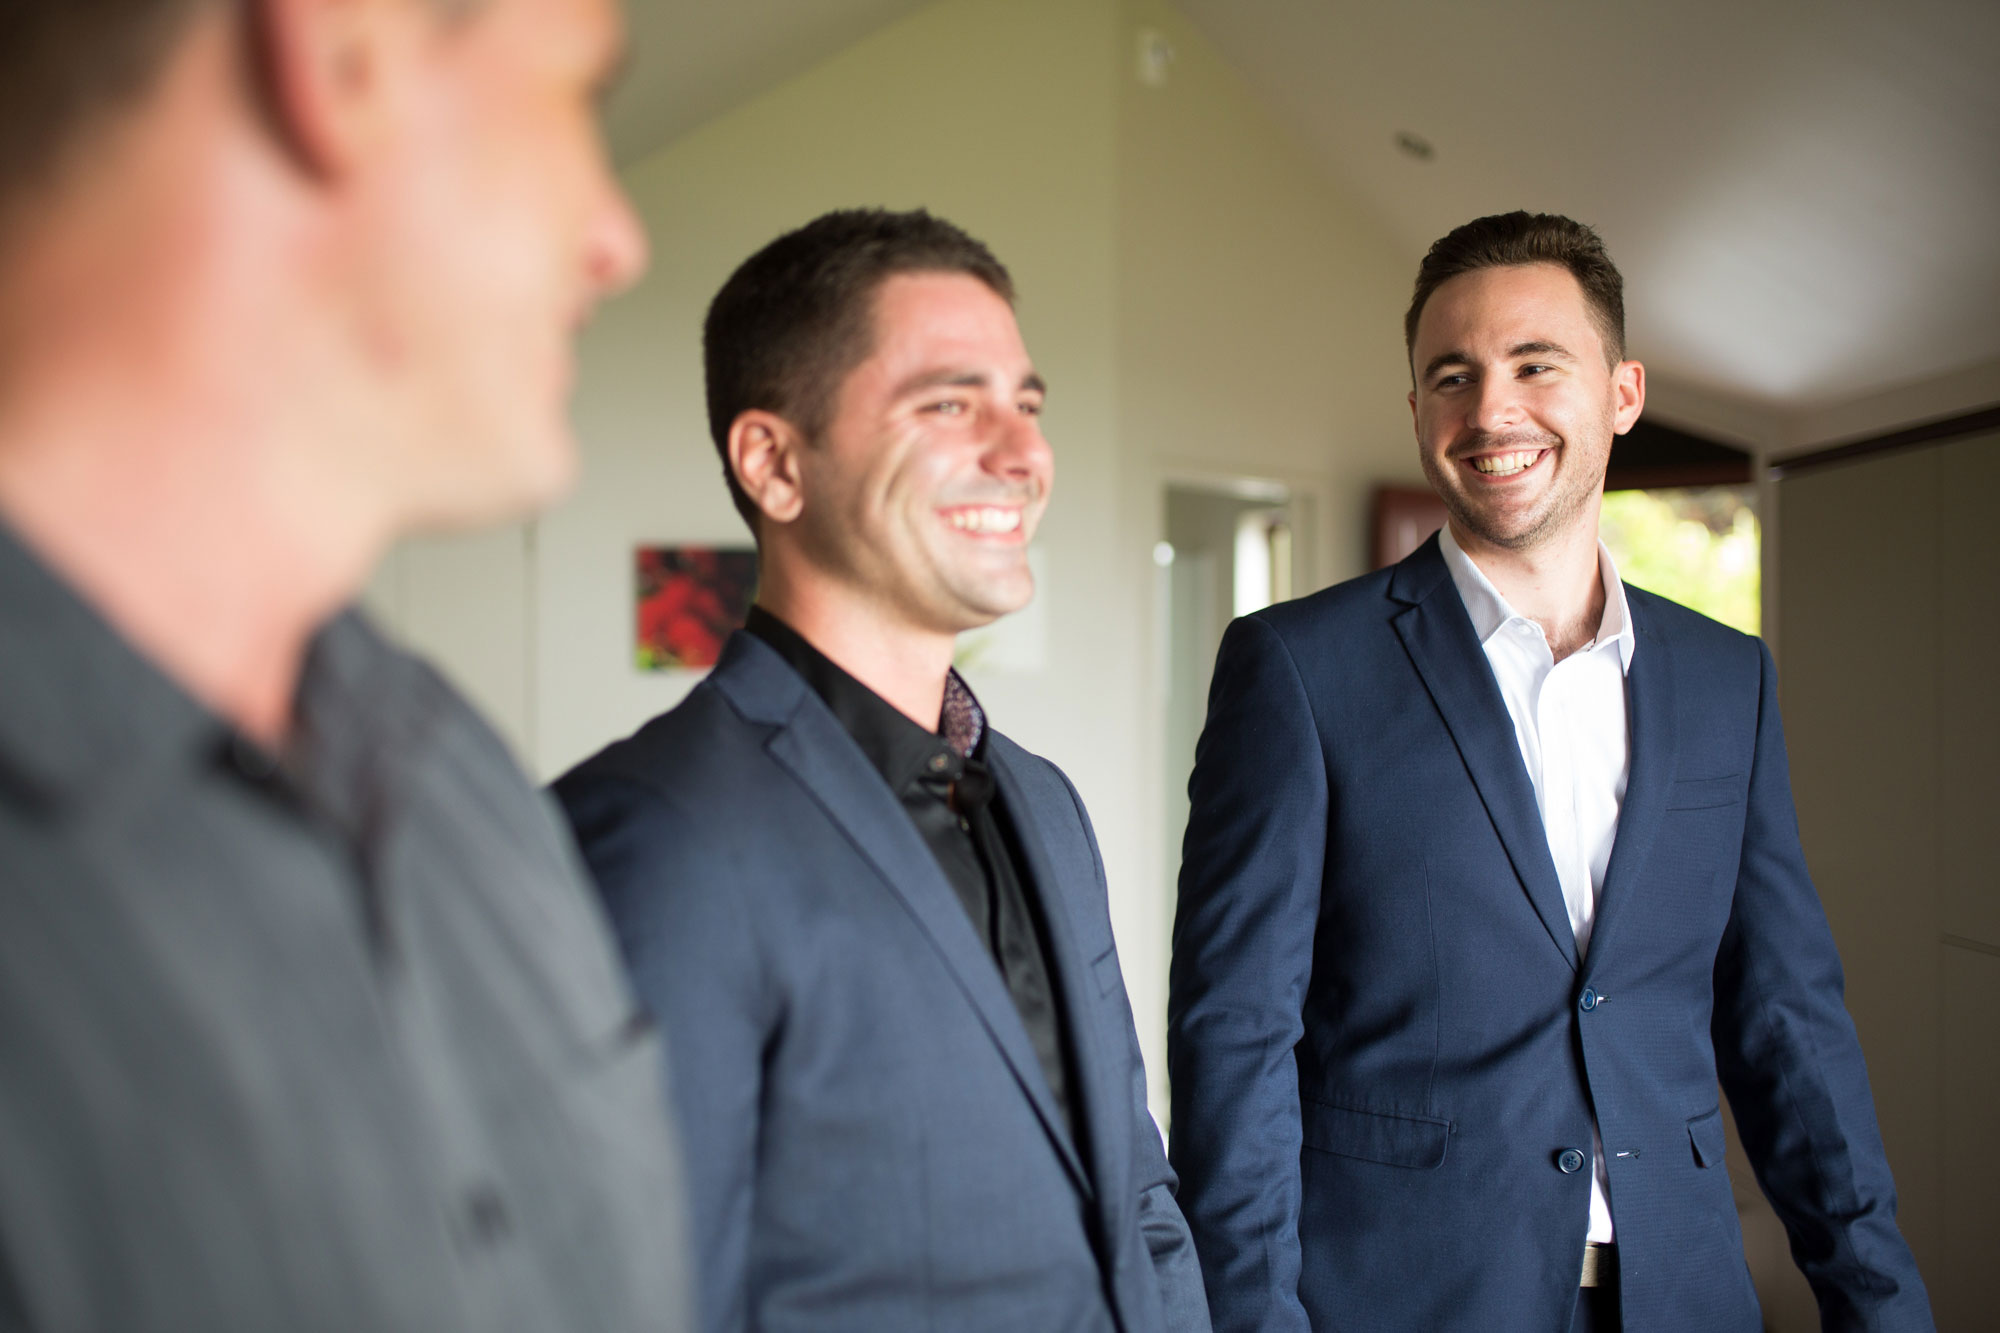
x=1415 y=146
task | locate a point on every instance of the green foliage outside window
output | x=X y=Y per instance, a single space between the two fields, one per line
x=1696 y=547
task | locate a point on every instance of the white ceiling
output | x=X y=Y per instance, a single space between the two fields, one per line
x=689 y=63
x=1804 y=195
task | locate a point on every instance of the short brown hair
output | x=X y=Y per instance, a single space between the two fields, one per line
x=67 y=64
x=798 y=316
x=1507 y=239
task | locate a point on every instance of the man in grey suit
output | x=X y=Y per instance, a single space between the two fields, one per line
x=308 y=1020
x=876 y=929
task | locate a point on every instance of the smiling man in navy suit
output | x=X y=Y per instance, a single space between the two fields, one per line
x=875 y=928
x=1492 y=874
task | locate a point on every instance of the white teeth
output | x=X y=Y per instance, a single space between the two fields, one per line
x=1505 y=465
x=987 y=519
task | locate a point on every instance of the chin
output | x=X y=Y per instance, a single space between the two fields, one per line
x=495 y=486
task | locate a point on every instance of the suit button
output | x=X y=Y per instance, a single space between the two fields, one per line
x=1570 y=1162
x=1589 y=1000
x=486 y=1219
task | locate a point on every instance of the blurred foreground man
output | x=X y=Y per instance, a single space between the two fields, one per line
x=875 y=928
x=1492 y=874
x=307 y=1019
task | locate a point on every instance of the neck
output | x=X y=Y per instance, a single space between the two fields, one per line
x=192 y=505
x=905 y=664
x=188 y=554
x=1557 y=583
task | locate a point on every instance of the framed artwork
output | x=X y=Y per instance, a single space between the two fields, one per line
x=687 y=600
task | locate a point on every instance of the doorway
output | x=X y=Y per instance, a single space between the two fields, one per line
x=1232 y=546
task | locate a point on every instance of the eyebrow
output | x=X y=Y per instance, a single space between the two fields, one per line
x=962 y=379
x=1518 y=350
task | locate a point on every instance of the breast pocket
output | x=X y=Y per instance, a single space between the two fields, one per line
x=1708 y=793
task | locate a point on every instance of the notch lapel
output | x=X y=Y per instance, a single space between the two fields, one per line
x=1438 y=635
x=1650 y=700
x=811 y=745
x=1106 y=1128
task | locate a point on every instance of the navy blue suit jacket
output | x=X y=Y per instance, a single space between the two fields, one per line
x=1382 y=1042
x=870 y=1142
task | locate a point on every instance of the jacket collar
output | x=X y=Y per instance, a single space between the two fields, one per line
x=87 y=716
x=1443 y=645
x=810 y=743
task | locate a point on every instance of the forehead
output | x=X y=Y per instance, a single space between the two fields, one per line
x=1503 y=307
x=945 y=318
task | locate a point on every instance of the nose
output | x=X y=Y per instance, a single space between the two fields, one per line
x=1018 y=451
x=615 y=248
x=1495 y=404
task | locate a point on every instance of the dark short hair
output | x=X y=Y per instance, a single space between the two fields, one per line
x=798 y=316
x=65 y=67
x=1507 y=239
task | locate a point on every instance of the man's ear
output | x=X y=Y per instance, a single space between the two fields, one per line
x=764 y=455
x=322 y=70
x=1628 y=387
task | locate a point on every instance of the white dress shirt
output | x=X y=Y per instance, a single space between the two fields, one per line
x=1570 y=722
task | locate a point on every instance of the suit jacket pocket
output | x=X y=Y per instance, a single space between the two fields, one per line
x=1705 y=1133
x=1417 y=1142
x=1708 y=793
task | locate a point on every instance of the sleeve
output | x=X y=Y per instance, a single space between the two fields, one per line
x=1250 y=881
x=1161 y=1224
x=686 y=937
x=1791 y=1065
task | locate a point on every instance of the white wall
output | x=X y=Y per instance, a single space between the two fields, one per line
x=1198 y=296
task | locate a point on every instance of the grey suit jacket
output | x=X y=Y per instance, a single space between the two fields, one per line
x=871 y=1143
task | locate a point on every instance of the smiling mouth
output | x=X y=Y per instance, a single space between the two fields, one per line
x=1509 y=464
x=984 y=520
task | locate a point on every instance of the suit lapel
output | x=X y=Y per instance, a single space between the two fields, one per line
x=1655 y=732
x=1098 y=1114
x=1438 y=635
x=810 y=743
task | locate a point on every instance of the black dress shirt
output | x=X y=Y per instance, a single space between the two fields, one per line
x=943 y=782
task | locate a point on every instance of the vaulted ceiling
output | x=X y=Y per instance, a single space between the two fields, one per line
x=1804 y=194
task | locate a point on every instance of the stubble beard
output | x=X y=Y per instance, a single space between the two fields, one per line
x=1559 y=510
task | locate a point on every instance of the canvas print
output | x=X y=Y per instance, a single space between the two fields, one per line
x=689 y=599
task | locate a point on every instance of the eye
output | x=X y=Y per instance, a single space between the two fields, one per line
x=947 y=407
x=1029 y=407
x=1451 y=381
x=1535 y=370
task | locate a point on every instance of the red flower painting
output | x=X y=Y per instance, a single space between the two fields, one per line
x=689 y=599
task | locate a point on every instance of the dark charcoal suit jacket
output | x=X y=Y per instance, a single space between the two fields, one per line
x=871 y=1144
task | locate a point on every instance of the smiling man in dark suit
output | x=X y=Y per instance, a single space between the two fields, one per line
x=876 y=929
x=1492 y=873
